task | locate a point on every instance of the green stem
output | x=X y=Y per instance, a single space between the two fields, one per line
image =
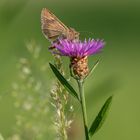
x=83 y=106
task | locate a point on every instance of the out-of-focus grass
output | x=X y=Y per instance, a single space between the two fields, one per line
x=118 y=72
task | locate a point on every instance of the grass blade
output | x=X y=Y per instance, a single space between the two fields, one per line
x=92 y=69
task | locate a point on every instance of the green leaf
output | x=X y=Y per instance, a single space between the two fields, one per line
x=99 y=120
x=64 y=82
x=92 y=69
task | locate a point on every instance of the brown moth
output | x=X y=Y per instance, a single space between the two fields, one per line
x=53 y=28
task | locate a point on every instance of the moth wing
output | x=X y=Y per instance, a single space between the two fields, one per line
x=51 y=26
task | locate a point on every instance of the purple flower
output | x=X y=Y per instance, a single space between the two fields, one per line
x=78 y=52
x=79 y=49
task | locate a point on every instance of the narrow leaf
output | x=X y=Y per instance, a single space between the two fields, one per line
x=92 y=69
x=64 y=82
x=99 y=120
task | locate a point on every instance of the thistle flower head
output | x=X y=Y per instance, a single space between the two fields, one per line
x=78 y=52
x=79 y=49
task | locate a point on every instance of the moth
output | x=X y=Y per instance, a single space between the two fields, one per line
x=53 y=29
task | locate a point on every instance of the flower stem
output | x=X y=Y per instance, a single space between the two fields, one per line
x=83 y=106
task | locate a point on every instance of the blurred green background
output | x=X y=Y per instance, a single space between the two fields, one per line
x=117 y=22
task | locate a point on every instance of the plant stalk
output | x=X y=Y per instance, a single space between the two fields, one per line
x=62 y=119
x=83 y=106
